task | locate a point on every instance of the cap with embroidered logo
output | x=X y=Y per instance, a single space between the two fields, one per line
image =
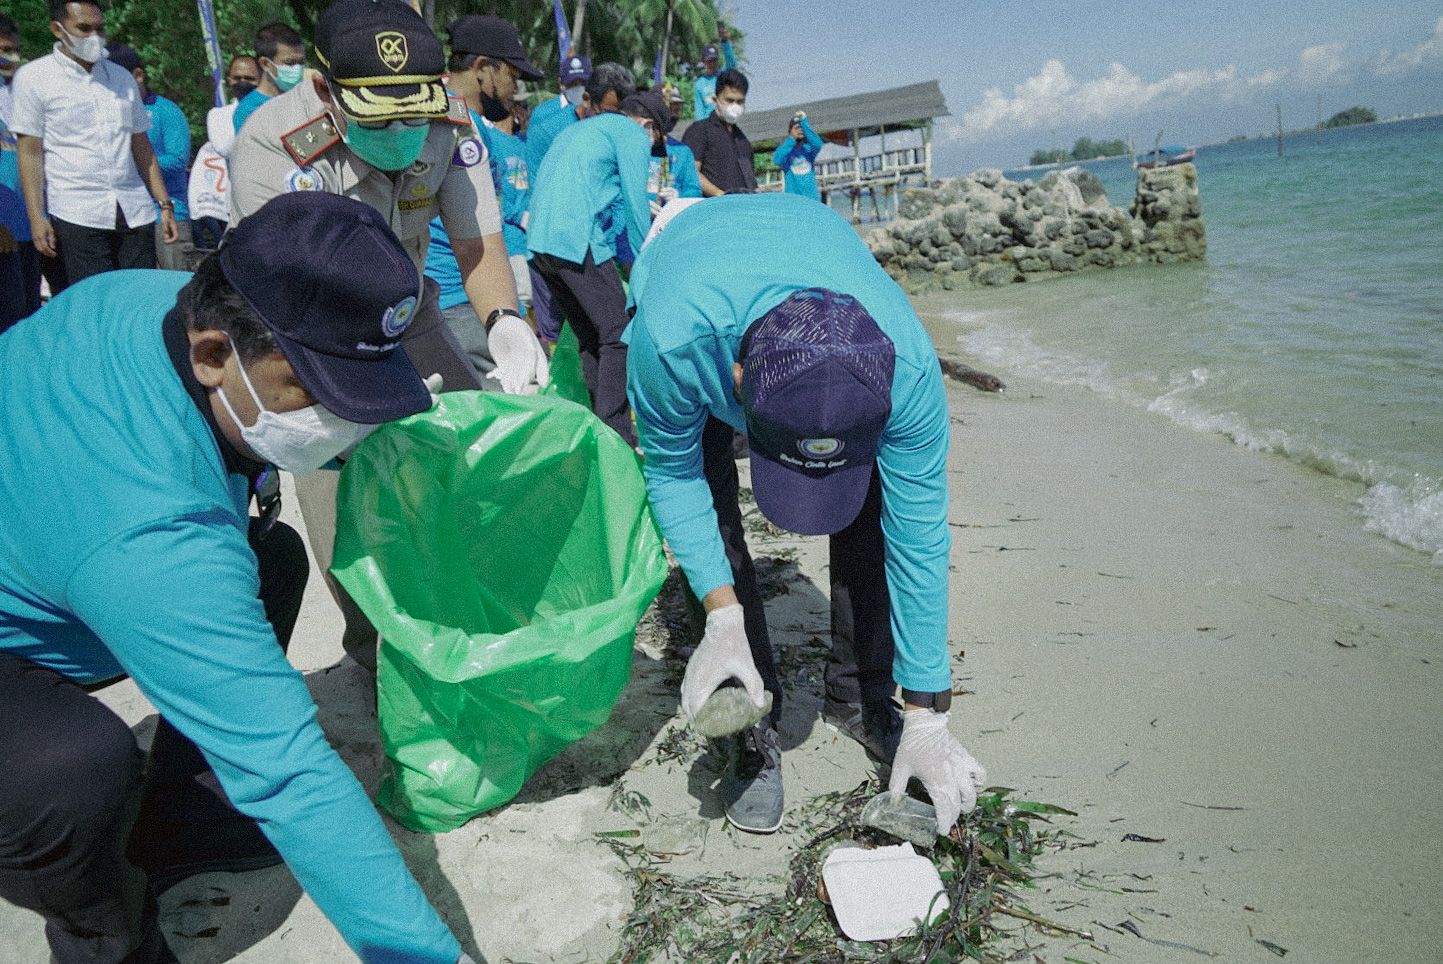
x=336 y=289
x=817 y=393
x=383 y=62
x=575 y=69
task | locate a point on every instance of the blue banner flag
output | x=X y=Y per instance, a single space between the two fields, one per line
x=656 y=69
x=212 y=47
x=563 y=33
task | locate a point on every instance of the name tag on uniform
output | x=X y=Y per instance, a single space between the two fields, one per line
x=418 y=203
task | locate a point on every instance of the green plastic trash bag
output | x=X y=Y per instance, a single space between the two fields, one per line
x=504 y=548
x=566 y=379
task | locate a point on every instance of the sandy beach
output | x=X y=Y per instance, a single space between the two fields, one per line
x=1175 y=637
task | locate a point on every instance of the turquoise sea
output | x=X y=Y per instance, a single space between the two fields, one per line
x=1314 y=329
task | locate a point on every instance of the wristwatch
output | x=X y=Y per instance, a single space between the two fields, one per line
x=167 y=205
x=497 y=314
x=938 y=702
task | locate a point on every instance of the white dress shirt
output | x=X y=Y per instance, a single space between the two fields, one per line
x=86 y=119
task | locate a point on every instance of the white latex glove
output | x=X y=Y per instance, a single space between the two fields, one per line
x=929 y=752
x=433 y=383
x=519 y=357
x=723 y=654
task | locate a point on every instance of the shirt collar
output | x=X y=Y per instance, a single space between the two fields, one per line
x=72 y=64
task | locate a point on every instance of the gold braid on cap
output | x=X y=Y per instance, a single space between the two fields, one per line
x=364 y=104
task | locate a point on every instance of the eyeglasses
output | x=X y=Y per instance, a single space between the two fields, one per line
x=382 y=125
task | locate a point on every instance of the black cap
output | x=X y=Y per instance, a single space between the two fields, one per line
x=123 y=55
x=336 y=289
x=384 y=62
x=487 y=36
x=650 y=103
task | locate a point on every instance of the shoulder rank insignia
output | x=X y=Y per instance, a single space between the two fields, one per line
x=311 y=139
x=457 y=112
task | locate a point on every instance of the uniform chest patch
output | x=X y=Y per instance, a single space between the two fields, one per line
x=801 y=167
x=303 y=179
x=468 y=153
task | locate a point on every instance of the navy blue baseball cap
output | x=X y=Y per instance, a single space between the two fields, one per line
x=817 y=392
x=331 y=281
x=710 y=52
x=575 y=69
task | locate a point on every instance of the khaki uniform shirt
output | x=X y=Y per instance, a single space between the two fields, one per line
x=291 y=144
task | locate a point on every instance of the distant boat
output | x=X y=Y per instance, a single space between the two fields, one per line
x=1166 y=156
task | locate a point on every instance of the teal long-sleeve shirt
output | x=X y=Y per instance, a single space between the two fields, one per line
x=703 y=93
x=692 y=308
x=170 y=136
x=123 y=550
x=594 y=173
x=797 y=160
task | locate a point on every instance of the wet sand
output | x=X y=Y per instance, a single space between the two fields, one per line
x=1173 y=636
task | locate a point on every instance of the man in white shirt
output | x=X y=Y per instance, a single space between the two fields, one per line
x=83 y=148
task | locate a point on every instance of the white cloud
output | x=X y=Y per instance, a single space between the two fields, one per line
x=1400 y=63
x=1053 y=95
x=1317 y=65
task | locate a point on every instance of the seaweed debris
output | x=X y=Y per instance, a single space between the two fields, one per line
x=725 y=918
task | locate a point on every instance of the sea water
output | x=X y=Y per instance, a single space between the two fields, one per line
x=1313 y=330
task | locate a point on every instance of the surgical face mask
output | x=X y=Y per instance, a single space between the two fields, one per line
x=90 y=48
x=9 y=62
x=394 y=147
x=731 y=113
x=240 y=89
x=287 y=76
x=300 y=441
x=573 y=94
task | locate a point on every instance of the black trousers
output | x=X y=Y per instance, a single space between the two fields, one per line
x=19 y=284
x=860 y=666
x=73 y=784
x=590 y=296
x=87 y=251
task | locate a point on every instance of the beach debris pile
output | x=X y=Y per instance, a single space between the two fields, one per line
x=984 y=229
x=985 y=870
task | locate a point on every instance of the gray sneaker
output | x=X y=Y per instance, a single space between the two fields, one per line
x=877 y=726
x=752 y=787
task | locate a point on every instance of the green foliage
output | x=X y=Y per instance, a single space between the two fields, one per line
x=166 y=34
x=1351 y=116
x=1084 y=150
x=1056 y=155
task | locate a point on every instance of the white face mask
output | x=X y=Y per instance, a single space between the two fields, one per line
x=300 y=441
x=573 y=94
x=90 y=48
x=731 y=113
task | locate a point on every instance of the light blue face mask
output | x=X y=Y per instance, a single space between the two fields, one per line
x=394 y=147
x=288 y=75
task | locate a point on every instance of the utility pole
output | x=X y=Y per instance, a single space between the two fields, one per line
x=1280 y=130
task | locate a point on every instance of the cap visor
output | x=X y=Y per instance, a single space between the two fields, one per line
x=393 y=102
x=367 y=391
x=526 y=68
x=806 y=504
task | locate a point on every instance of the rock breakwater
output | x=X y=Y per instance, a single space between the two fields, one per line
x=984 y=229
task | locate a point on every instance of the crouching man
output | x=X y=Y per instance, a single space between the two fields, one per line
x=144 y=410
x=816 y=354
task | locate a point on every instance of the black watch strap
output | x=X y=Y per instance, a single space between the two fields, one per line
x=497 y=314
x=938 y=702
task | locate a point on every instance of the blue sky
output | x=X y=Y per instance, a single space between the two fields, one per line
x=1041 y=73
